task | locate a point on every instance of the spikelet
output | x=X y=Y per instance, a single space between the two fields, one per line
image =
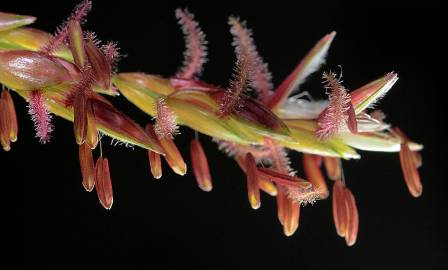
x=100 y=60
x=309 y=64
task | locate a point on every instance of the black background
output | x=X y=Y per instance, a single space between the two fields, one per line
x=170 y=222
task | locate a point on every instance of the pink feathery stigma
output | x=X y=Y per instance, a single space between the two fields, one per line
x=40 y=116
x=231 y=101
x=61 y=35
x=339 y=112
x=166 y=125
x=91 y=37
x=244 y=45
x=81 y=11
x=196 y=52
x=112 y=54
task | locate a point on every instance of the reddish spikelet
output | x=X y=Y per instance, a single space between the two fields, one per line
x=308 y=65
x=195 y=55
x=200 y=166
x=61 y=35
x=29 y=70
x=368 y=95
x=166 y=125
x=110 y=118
x=244 y=45
x=40 y=116
x=253 y=191
x=99 y=62
x=9 y=21
x=76 y=43
x=338 y=113
x=231 y=101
